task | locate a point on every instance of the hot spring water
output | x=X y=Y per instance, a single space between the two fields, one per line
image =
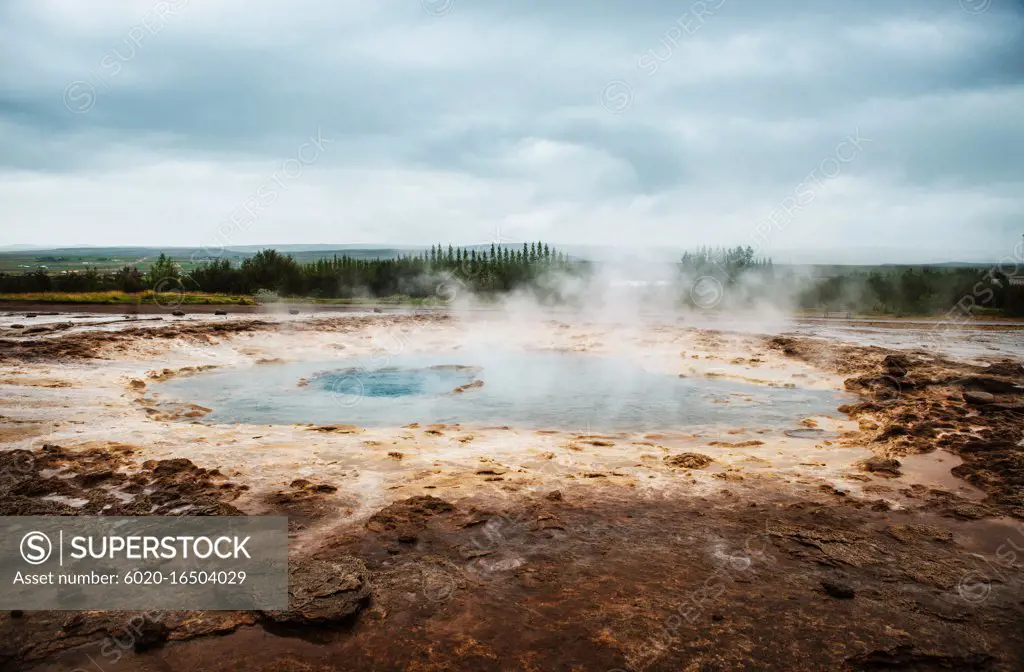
x=521 y=389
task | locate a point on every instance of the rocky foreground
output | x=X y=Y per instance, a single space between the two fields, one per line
x=587 y=574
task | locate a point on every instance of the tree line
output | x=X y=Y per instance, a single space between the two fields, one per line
x=725 y=262
x=887 y=290
x=419 y=275
x=916 y=291
x=746 y=279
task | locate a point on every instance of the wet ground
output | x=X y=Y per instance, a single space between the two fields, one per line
x=888 y=536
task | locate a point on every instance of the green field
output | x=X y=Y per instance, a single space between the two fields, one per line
x=124 y=298
x=196 y=299
x=105 y=259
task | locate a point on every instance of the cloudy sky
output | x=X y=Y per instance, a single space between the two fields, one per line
x=817 y=127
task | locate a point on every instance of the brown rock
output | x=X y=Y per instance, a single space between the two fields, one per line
x=324 y=593
x=414 y=511
x=895 y=365
x=838 y=589
x=882 y=465
x=978 y=398
x=688 y=461
x=150 y=635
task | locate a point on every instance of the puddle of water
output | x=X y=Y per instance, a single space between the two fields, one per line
x=817 y=458
x=933 y=470
x=527 y=389
x=809 y=433
x=911 y=334
x=73 y=502
x=125 y=497
x=1002 y=538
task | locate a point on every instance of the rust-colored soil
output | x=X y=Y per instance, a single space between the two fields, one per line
x=918 y=403
x=758 y=580
x=598 y=574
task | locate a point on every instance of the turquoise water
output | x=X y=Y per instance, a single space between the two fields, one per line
x=349 y=383
x=521 y=389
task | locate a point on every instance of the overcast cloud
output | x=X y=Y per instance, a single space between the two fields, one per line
x=787 y=125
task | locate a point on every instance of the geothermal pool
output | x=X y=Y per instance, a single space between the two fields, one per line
x=541 y=390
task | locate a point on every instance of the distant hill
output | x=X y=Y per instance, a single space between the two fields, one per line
x=107 y=258
x=21 y=248
x=26 y=258
x=323 y=248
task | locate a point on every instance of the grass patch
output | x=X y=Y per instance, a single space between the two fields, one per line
x=171 y=299
x=148 y=297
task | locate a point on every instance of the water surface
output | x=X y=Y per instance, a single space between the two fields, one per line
x=544 y=389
